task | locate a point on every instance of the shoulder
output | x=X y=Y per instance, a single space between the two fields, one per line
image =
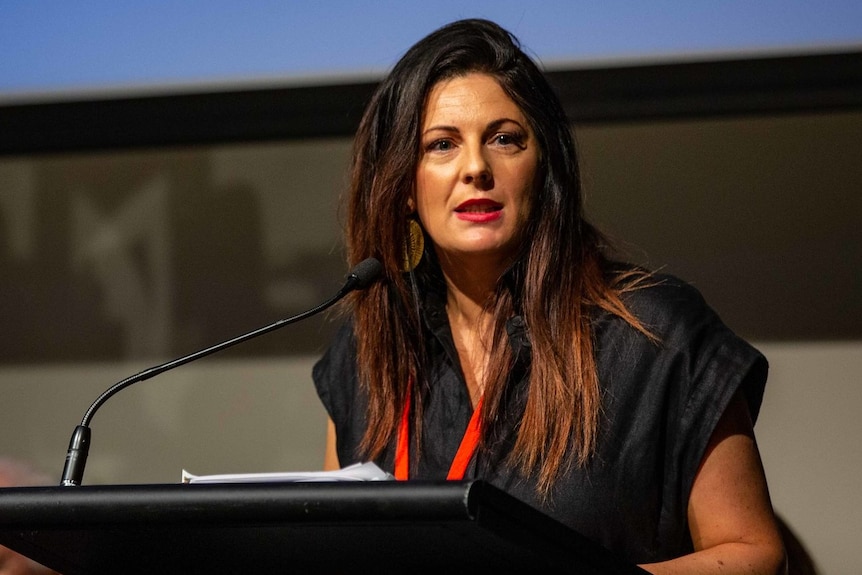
x=677 y=314
x=334 y=371
x=691 y=339
x=668 y=306
x=664 y=305
x=342 y=349
x=691 y=334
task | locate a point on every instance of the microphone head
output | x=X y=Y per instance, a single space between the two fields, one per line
x=364 y=274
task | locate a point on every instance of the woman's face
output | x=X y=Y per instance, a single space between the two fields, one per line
x=477 y=168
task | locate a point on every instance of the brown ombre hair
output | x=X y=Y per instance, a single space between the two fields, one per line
x=559 y=279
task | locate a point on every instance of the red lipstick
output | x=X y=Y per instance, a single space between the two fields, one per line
x=479 y=211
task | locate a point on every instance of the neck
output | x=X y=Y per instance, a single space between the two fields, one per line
x=470 y=283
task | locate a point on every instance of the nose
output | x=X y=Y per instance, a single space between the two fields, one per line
x=477 y=169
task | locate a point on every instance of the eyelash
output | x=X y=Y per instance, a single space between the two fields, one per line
x=513 y=138
x=435 y=145
x=509 y=138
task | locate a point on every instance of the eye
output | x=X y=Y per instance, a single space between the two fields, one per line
x=441 y=145
x=506 y=139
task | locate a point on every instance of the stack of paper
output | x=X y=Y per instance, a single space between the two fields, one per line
x=357 y=472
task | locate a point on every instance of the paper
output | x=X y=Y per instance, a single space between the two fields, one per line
x=357 y=472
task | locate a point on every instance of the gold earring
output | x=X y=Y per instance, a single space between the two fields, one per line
x=414 y=246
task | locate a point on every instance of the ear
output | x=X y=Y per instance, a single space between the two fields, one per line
x=411 y=205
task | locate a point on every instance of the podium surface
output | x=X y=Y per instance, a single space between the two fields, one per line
x=336 y=527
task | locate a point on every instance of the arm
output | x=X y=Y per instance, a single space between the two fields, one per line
x=330 y=456
x=730 y=516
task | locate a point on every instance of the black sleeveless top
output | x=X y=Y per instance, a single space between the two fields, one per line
x=660 y=405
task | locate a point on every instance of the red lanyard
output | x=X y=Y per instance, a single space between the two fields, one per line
x=462 y=457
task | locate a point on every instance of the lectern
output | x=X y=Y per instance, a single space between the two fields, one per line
x=337 y=527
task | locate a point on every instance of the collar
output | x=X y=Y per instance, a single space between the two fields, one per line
x=437 y=322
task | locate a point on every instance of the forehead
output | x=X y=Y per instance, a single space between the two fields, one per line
x=472 y=96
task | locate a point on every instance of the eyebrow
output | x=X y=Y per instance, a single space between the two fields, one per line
x=493 y=125
x=441 y=128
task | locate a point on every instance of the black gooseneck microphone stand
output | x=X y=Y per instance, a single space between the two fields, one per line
x=360 y=277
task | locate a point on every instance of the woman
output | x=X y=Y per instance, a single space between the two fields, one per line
x=512 y=348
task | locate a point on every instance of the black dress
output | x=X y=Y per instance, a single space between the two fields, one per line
x=660 y=405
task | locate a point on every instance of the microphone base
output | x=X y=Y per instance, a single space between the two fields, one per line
x=76 y=457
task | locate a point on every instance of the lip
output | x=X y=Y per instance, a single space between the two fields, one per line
x=479 y=210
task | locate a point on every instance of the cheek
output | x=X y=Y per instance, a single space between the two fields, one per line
x=427 y=193
x=420 y=191
x=525 y=184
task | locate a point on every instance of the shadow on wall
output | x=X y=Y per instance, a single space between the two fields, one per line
x=799 y=562
x=139 y=256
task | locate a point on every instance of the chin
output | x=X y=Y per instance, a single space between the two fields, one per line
x=490 y=251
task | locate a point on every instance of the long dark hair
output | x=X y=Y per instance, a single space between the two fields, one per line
x=559 y=277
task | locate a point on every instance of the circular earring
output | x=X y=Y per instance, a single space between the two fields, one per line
x=414 y=246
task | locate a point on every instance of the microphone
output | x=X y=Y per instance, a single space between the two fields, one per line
x=360 y=277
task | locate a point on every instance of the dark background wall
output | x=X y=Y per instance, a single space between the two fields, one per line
x=134 y=230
